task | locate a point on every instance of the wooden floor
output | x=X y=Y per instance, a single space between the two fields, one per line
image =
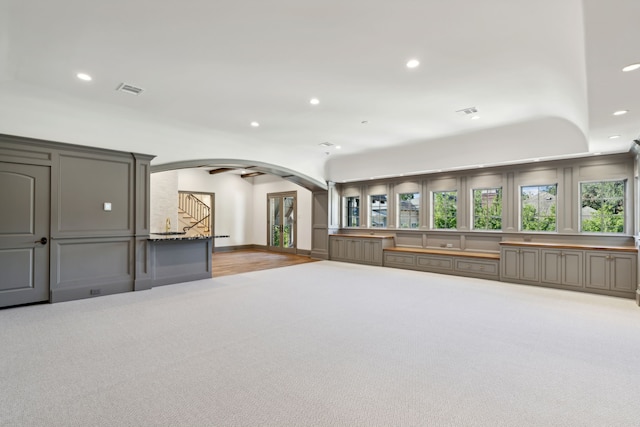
x=235 y=262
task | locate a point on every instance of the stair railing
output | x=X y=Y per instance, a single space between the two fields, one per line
x=195 y=208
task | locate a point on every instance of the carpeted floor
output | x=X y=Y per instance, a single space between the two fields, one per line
x=324 y=344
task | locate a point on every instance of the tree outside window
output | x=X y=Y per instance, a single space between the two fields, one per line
x=353 y=211
x=409 y=210
x=538 y=207
x=602 y=206
x=445 y=209
x=487 y=209
x=379 y=211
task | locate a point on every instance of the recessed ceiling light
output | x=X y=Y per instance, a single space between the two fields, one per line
x=614 y=137
x=620 y=112
x=314 y=101
x=338 y=147
x=255 y=124
x=84 y=76
x=475 y=117
x=631 y=67
x=413 y=63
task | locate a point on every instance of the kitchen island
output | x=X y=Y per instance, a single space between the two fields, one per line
x=177 y=258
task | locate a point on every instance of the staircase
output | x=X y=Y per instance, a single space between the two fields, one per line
x=194 y=215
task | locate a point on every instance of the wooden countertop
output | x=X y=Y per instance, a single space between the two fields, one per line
x=363 y=236
x=448 y=252
x=571 y=246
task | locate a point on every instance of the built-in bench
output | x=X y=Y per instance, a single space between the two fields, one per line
x=451 y=261
x=600 y=269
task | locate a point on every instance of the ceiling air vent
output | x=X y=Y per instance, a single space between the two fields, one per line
x=325 y=144
x=127 y=88
x=468 y=110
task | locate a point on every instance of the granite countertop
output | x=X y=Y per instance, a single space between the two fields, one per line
x=161 y=237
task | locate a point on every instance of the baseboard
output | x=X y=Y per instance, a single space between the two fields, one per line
x=237 y=248
x=142 y=284
x=319 y=254
x=304 y=252
x=182 y=278
x=90 y=291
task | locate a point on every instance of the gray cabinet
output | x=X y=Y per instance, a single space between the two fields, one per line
x=561 y=267
x=434 y=263
x=359 y=249
x=520 y=264
x=477 y=268
x=460 y=263
x=611 y=271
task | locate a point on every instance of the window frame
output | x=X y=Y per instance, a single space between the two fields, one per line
x=473 y=209
x=416 y=195
x=370 y=211
x=625 y=205
x=346 y=212
x=521 y=208
x=433 y=208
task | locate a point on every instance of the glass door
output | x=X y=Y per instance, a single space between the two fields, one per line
x=281 y=222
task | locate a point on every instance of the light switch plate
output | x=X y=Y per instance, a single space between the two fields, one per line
x=107 y=207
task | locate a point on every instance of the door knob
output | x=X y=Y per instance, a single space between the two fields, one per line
x=43 y=241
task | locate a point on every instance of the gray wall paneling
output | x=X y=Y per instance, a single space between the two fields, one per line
x=174 y=261
x=320 y=224
x=143 y=279
x=93 y=252
x=567 y=174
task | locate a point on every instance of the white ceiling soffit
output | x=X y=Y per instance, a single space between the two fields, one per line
x=546 y=73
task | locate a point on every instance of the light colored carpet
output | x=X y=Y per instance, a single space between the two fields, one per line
x=324 y=344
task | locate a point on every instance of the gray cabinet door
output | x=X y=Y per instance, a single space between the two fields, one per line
x=353 y=250
x=529 y=266
x=597 y=270
x=551 y=263
x=372 y=252
x=561 y=267
x=24 y=221
x=572 y=268
x=510 y=264
x=622 y=272
x=337 y=248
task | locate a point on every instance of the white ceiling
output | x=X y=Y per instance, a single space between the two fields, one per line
x=545 y=76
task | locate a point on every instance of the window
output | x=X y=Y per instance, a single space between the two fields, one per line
x=445 y=209
x=487 y=209
x=353 y=211
x=378 y=211
x=538 y=207
x=409 y=210
x=602 y=206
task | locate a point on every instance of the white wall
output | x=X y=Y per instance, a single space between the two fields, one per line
x=270 y=184
x=233 y=208
x=240 y=209
x=164 y=200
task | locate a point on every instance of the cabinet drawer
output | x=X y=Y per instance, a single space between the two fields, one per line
x=433 y=262
x=477 y=267
x=400 y=260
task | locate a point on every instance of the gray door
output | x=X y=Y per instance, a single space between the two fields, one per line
x=24 y=234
